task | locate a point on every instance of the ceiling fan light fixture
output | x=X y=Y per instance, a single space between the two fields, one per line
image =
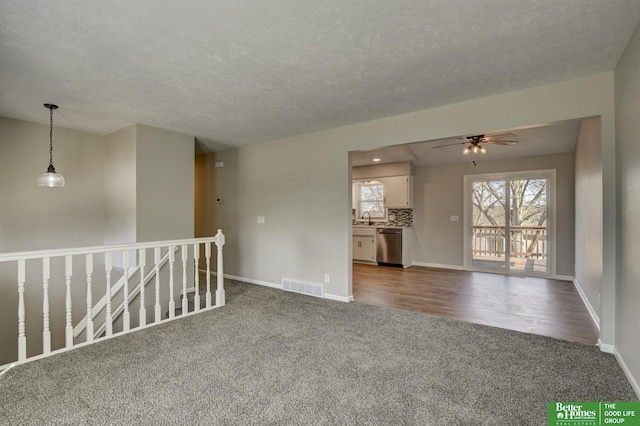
x=50 y=178
x=483 y=150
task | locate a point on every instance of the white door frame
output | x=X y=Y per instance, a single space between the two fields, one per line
x=549 y=174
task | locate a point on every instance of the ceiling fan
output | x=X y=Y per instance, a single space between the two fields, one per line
x=474 y=144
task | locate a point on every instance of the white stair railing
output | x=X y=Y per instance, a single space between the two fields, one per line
x=105 y=304
x=68 y=284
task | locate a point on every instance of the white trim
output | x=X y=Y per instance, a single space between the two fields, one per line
x=346 y=299
x=38 y=254
x=279 y=287
x=7 y=368
x=586 y=302
x=627 y=372
x=605 y=347
x=563 y=277
x=438 y=265
x=248 y=280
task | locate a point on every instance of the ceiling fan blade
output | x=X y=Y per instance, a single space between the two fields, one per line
x=451 y=144
x=500 y=142
x=509 y=136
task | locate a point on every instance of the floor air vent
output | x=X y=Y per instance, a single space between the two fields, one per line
x=302 y=288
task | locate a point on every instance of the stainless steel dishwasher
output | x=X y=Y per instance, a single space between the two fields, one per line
x=389 y=246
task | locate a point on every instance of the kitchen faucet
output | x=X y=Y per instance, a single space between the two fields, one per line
x=367 y=213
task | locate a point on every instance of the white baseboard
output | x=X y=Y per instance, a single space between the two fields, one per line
x=250 y=280
x=605 y=347
x=346 y=299
x=592 y=312
x=627 y=372
x=563 y=278
x=438 y=265
x=279 y=286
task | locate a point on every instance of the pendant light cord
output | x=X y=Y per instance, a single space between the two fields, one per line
x=51 y=137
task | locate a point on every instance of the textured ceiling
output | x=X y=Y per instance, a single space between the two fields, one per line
x=236 y=73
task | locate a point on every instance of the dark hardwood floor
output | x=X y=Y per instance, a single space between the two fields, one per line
x=532 y=305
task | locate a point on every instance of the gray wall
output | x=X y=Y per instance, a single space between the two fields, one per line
x=383 y=170
x=164 y=184
x=33 y=218
x=627 y=98
x=205 y=195
x=438 y=192
x=120 y=187
x=588 y=265
x=149 y=189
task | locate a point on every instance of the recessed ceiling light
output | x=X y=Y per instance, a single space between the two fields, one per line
x=376 y=160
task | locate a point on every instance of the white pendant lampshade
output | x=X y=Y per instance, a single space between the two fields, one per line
x=50 y=178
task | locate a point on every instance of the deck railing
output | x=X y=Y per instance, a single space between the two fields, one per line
x=71 y=271
x=525 y=241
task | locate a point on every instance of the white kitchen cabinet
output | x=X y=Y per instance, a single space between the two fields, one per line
x=364 y=244
x=398 y=192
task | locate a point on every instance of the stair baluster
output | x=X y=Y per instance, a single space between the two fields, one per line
x=68 y=329
x=126 y=316
x=22 y=338
x=158 y=314
x=172 y=302
x=196 y=277
x=108 y=266
x=89 y=272
x=143 y=310
x=207 y=254
x=46 y=333
x=185 y=300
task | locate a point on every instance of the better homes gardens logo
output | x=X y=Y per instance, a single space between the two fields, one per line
x=594 y=413
x=574 y=413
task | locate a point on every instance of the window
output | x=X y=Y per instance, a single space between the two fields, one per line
x=371 y=201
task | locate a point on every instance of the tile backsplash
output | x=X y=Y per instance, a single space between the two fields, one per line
x=403 y=217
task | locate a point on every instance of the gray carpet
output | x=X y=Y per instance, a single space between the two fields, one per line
x=271 y=357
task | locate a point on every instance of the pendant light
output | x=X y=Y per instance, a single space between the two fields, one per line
x=50 y=178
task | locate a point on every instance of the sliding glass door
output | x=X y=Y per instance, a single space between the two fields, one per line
x=509 y=222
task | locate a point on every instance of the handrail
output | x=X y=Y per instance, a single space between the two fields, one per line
x=524 y=241
x=37 y=254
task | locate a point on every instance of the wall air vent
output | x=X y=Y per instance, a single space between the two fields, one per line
x=309 y=289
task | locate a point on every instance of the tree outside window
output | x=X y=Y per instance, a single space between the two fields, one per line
x=371 y=200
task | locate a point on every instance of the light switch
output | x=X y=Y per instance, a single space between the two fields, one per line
x=454 y=218
x=260 y=219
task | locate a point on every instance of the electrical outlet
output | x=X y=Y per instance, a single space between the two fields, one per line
x=327 y=279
